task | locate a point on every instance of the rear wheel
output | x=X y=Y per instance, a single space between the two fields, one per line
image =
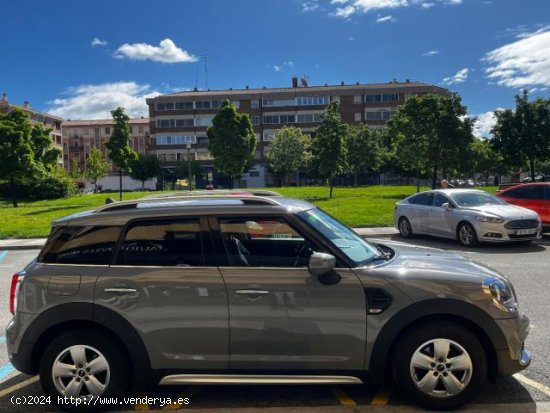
x=466 y=235
x=404 y=226
x=440 y=365
x=83 y=365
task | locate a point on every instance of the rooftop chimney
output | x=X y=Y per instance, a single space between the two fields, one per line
x=246 y=87
x=342 y=83
x=26 y=104
x=294 y=81
x=4 y=97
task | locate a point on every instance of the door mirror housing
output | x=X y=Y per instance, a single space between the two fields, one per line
x=321 y=263
x=446 y=206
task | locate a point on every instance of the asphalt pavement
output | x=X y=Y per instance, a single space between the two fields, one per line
x=526 y=265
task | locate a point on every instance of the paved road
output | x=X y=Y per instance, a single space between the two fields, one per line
x=527 y=266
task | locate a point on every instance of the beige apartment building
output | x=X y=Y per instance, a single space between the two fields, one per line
x=179 y=121
x=49 y=121
x=79 y=136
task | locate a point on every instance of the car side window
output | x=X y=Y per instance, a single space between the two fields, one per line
x=546 y=196
x=162 y=243
x=440 y=199
x=264 y=242
x=525 y=192
x=92 y=245
x=422 y=199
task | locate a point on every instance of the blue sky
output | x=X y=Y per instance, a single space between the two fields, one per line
x=487 y=50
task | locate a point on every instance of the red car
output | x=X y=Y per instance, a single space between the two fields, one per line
x=535 y=196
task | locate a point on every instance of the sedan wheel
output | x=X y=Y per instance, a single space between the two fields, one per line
x=467 y=235
x=404 y=227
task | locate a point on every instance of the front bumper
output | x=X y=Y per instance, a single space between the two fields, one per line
x=492 y=232
x=514 y=358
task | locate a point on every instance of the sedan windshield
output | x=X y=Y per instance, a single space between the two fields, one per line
x=351 y=244
x=474 y=199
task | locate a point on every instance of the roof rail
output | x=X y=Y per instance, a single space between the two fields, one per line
x=185 y=201
x=232 y=192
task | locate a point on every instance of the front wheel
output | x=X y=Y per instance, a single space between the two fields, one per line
x=440 y=365
x=404 y=226
x=83 y=365
x=466 y=235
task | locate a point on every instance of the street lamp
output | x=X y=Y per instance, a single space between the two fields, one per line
x=189 y=165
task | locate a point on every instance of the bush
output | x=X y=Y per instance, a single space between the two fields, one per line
x=57 y=184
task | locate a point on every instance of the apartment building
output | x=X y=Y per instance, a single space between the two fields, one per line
x=45 y=119
x=179 y=121
x=79 y=136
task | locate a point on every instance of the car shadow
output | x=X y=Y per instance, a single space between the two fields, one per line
x=487 y=248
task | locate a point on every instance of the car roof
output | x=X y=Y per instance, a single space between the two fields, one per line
x=118 y=213
x=451 y=191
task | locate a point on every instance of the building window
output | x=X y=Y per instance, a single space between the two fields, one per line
x=185 y=123
x=255 y=120
x=254 y=174
x=278 y=102
x=357 y=99
x=176 y=140
x=184 y=105
x=389 y=97
x=279 y=119
x=357 y=117
x=374 y=98
x=269 y=135
x=379 y=115
x=107 y=131
x=310 y=118
x=202 y=140
x=254 y=104
x=140 y=129
x=131 y=129
x=203 y=121
x=141 y=145
x=312 y=100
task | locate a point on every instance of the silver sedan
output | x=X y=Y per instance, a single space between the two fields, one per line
x=468 y=215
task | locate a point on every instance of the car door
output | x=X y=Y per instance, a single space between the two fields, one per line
x=165 y=284
x=420 y=207
x=545 y=215
x=442 y=220
x=527 y=196
x=282 y=317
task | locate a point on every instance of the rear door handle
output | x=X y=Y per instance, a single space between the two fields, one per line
x=120 y=290
x=252 y=292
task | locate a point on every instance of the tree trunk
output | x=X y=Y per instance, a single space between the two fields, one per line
x=418 y=182
x=331 y=183
x=532 y=168
x=143 y=185
x=434 y=177
x=13 y=193
x=285 y=179
x=120 y=184
x=355 y=179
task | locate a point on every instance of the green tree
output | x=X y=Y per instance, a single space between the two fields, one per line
x=96 y=167
x=289 y=151
x=329 y=145
x=76 y=172
x=231 y=141
x=119 y=144
x=430 y=133
x=145 y=167
x=485 y=160
x=26 y=150
x=523 y=135
x=364 y=150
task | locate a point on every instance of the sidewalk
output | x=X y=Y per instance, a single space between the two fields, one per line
x=37 y=243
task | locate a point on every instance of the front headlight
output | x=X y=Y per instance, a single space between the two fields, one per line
x=500 y=294
x=492 y=220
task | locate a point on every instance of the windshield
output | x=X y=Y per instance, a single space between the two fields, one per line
x=351 y=244
x=474 y=199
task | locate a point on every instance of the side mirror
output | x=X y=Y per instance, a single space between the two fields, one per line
x=446 y=206
x=321 y=263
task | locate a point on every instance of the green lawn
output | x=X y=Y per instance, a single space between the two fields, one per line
x=358 y=207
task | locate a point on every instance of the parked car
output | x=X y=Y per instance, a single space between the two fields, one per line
x=467 y=215
x=534 y=196
x=254 y=289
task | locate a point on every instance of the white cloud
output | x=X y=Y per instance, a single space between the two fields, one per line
x=165 y=52
x=308 y=6
x=98 y=42
x=385 y=19
x=484 y=123
x=525 y=62
x=364 y=6
x=430 y=53
x=344 y=12
x=459 y=77
x=277 y=68
x=289 y=64
x=96 y=101
x=351 y=39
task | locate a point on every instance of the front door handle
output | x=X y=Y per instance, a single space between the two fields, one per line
x=252 y=292
x=120 y=290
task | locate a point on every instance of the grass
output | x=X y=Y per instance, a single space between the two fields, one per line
x=358 y=207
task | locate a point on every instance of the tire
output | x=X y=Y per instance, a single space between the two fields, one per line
x=466 y=235
x=72 y=353
x=404 y=227
x=436 y=384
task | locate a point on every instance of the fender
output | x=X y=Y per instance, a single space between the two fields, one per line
x=108 y=319
x=437 y=308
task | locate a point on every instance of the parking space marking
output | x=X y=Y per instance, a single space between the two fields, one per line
x=191 y=390
x=342 y=396
x=18 y=386
x=381 y=398
x=3 y=255
x=535 y=384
